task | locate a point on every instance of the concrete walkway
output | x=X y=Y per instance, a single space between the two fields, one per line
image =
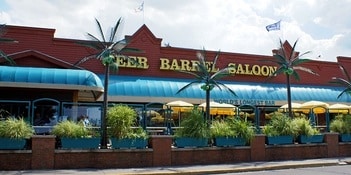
x=198 y=169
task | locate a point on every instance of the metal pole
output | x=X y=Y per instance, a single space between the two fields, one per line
x=104 y=109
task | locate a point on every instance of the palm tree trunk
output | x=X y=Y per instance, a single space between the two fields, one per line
x=104 y=108
x=289 y=94
x=208 y=106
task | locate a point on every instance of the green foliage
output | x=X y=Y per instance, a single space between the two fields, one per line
x=15 y=128
x=221 y=128
x=341 y=124
x=233 y=127
x=121 y=120
x=70 y=129
x=302 y=126
x=193 y=125
x=279 y=125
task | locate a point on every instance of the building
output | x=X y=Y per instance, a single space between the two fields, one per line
x=45 y=80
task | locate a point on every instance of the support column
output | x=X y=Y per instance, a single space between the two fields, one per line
x=332 y=140
x=258 y=148
x=162 y=150
x=43 y=151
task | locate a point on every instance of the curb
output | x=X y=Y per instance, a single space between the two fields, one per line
x=237 y=169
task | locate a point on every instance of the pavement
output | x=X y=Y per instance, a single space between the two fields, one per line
x=193 y=170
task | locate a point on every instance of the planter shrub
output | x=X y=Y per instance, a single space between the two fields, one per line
x=15 y=133
x=305 y=132
x=342 y=125
x=232 y=132
x=122 y=129
x=193 y=128
x=72 y=135
x=279 y=125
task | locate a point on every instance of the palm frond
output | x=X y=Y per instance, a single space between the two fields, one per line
x=114 y=30
x=305 y=70
x=303 y=54
x=96 y=45
x=7 y=40
x=118 y=46
x=227 y=88
x=292 y=53
x=221 y=73
x=100 y=30
x=296 y=75
x=130 y=50
x=188 y=85
x=299 y=61
x=344 y=72
x=87 y=58
x=215 y=61
x=201 y=65
x=7 y=59
x=197 y=76
x=282 y=50
x=280 y=70
x=280 y=59
x=341 y=81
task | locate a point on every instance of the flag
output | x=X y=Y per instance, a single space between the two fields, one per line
x=274 y=26
x=140 y=8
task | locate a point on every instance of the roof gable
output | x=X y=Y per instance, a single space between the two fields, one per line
x=35 y=58
x=144 y=35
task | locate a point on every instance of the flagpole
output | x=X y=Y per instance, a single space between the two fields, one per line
x=143 y=12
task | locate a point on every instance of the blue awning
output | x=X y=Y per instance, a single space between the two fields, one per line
x=87 y=83
x=147 y=89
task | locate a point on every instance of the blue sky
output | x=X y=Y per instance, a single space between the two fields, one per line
x=323 y=26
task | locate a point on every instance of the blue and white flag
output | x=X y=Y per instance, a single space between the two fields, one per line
x=140 y=8
x=275 y=26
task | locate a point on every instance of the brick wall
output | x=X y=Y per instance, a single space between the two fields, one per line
x=43 y=154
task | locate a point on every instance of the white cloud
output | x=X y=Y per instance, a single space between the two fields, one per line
x=231 y=26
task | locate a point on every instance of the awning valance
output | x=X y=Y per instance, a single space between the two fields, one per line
x=88 y=84
x=149 y=89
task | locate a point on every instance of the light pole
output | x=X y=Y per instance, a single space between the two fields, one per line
x=104 y=108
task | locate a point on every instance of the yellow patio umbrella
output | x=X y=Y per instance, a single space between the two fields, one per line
x=339 y=108
x=180 y=106
x=294 y=107
x=220 y=108
x=317 y=106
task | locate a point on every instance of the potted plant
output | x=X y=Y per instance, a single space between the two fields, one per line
x=231 y=132
x=121 y=122
x=279 y=130
x=342 y=125
x=14 y=133
x=304 y=132
x=72 y=135
x=193 y=131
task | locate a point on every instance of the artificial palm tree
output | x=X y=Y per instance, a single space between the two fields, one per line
x=107 y=51
x=204 y=76
x=289 y=62
x=6 y=40
x=343 y=82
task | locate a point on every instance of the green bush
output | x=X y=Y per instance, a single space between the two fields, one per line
x=279 y=125
x=303 y=126
x=341 y=124
x=232 y=127
x=70 y=129
x=15 y=128
x=193 y=125
x=121 y=122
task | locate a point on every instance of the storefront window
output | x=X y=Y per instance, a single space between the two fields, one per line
x=88 y=113
x=17 y=109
